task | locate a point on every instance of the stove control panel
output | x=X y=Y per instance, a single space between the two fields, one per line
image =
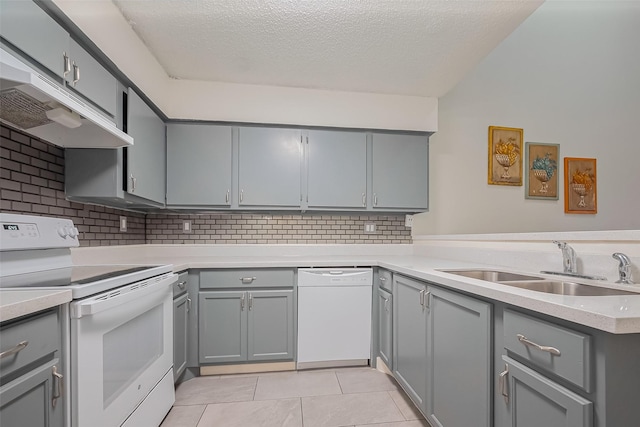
x=20 y=232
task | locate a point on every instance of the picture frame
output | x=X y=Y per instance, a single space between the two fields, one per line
x=505 y=156
x=541 y=172
x=580 y=186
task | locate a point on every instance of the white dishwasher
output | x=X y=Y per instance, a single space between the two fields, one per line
x=334 y=317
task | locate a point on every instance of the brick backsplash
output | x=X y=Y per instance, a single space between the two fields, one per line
x=228 y=228
x=32 y=182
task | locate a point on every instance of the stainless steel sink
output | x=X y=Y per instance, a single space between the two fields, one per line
x=567 y=288
x=538 y=284
x=492 y=275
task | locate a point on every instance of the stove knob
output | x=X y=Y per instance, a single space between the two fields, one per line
x=73 y=232
x=62 y=232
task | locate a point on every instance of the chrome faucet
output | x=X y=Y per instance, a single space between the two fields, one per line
x=624 y=269
x=568 y=257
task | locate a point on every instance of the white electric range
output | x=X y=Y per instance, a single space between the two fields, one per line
x=117 y=331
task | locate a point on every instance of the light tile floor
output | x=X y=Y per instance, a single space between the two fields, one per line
x=344 y=397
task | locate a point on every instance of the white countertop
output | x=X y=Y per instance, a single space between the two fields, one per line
x=619 y=314
x=22 y=302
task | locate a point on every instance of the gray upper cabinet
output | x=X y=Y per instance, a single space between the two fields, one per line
x=199 y=165
x=400 y=172
x=459 y=360
x=31 y=30
x=146 y=160
x=270 y=167
x=336 y=169
x=89 y=78
x=410 y=337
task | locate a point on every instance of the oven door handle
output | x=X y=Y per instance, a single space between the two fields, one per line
x=116 y=297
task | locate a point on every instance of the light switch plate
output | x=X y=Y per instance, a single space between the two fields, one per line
x=123 y=223
x=370 y=227
x=186 y=226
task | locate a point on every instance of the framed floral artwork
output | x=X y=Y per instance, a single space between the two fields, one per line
x=505 y=156
x=541 y=172
x=580 y=186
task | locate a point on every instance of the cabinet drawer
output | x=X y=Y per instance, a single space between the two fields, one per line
x=42 y=335
x=385 y=279
x=523 y=334
x=254 y=278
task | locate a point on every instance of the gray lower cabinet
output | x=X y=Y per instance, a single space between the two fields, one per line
x=385 y=327
x=336 y=169
x=459 y=359
x=400 y=171
x=270 y=167
x=410 y=337
x=31 y=373
x=240 y=326
x=180 y=334
x=199 y=158
x=534 y=400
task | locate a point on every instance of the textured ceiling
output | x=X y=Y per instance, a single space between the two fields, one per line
x=404 y=47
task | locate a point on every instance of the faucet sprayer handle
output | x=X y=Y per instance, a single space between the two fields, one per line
x=624 y=268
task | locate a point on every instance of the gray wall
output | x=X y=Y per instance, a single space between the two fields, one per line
x=569 y=75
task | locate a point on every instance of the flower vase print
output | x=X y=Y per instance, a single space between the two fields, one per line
x=542 y=167
x=580 y=189
x=505 y=156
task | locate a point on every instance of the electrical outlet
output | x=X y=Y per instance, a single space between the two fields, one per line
x=186 y=226
x=408 y=221
x=123 y=223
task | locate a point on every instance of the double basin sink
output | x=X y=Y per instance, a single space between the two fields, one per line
x=538 y=284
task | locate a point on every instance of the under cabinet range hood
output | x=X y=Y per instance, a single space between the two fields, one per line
x=42 y=108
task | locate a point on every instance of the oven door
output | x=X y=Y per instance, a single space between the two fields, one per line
x=121 y=347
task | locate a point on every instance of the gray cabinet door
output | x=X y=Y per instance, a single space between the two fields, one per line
x=180 y=334
x=336 y=169
x=385 y=324
x=199 y=164
x=535 y=400
x=459 y=360
x=28 y=400
x=30 y=29
x=400 y=171
x=95 y=82
x=270 y=165
x=270 y=332
x=222 y=328
x=146 y=160
x=410 y=337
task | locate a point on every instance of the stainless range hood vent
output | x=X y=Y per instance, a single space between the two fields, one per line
x=40 y=107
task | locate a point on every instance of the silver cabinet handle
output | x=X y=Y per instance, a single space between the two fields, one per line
x=182 y=284
x=504 y=389
x=226 y=199
x=386 y=304
x=133 y=183
x=76 y=74
x=57 y=386
x=188 y=304
x=247 y=280
x=382 y=279
x=427 y=294
x=548 y=349
x=66 y=63
x=242 y=302
x=422 y=297
x=375 y=199
x=16 y=349
x=250 y=301
x=241 y=195
x=364 y=199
